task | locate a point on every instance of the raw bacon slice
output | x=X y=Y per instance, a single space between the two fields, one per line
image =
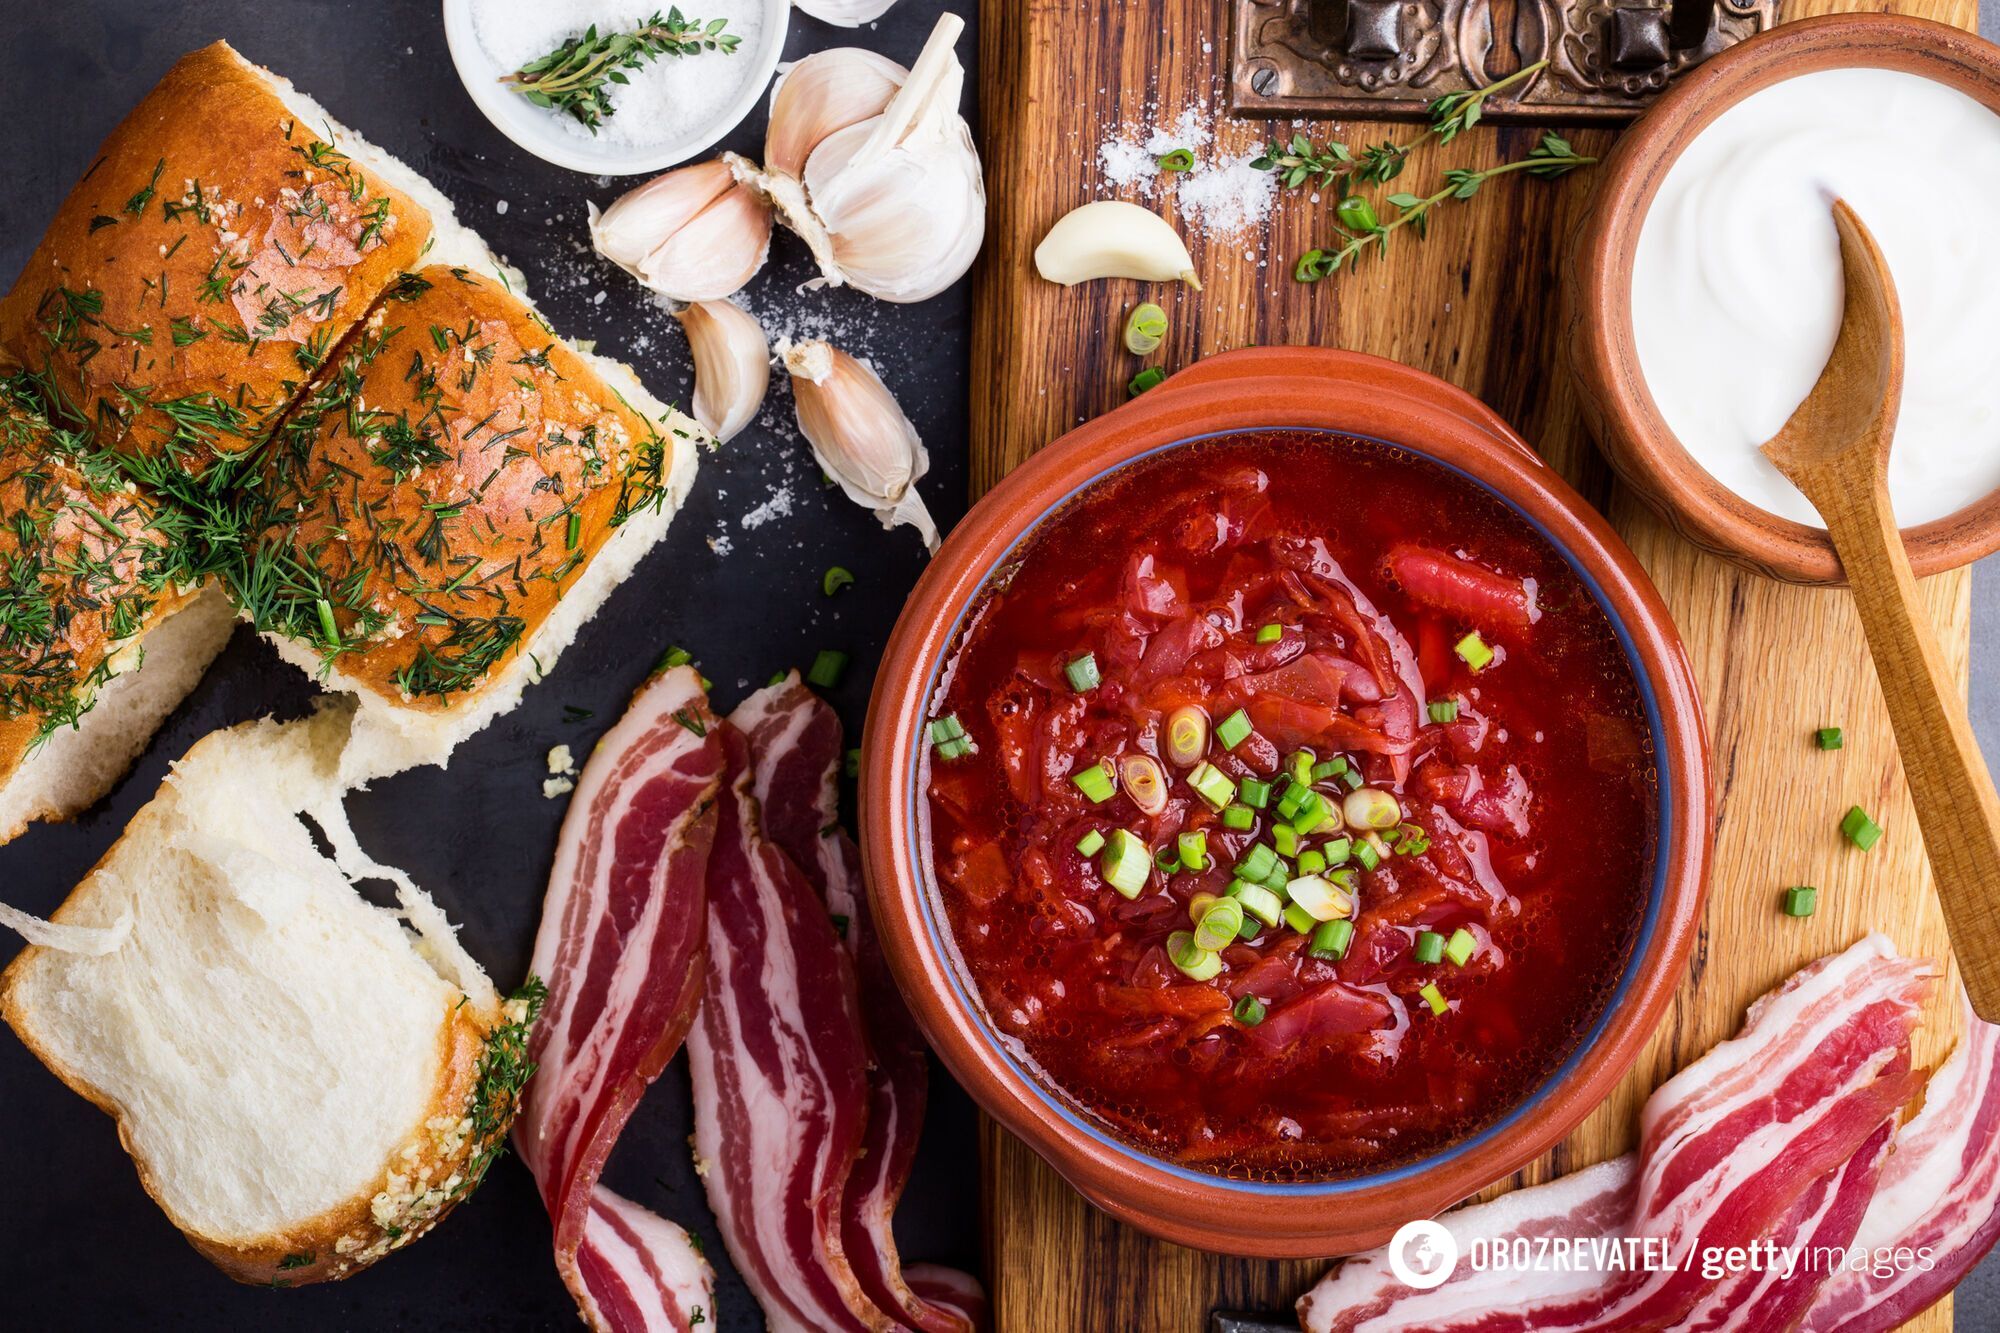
x=1728 y=1149
x=795 y=748
x=780 y=1074
x=1939 y=1199
x=620 y=948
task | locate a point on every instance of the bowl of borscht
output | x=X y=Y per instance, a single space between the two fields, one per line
x=1285 y=804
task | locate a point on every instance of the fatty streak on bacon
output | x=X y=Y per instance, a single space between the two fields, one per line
x=796 y=753
x=620 y=948
x=1940 y=1191
x=780 y=1074
x=1729 y=1147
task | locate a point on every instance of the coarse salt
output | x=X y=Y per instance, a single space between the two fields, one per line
x=1222 y=196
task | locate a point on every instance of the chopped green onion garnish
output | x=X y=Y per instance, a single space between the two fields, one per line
x=1827 y=738
x=1338 y=851
x=1126 y=864
x=1444 y=710
x=1352 y=777
x=1311 y=862
x=777 y=679
x=1270 y=633
x=1180 y=159
x=1289 y=806
x=1168 y=859
x=1365 y=853
x=1213 y=784
x=1472 y=650
x=1331 y=938
x=1191 y=958
x=954 y=749
x=947 y=736
x=1152 y=377
x=1301 y=767
x=1461 y=946
x=1285 y=840
x=826 y=668
x=1252 y=928
x=1434 y=998
x=1411 y=841
x=1430 y=946
x=1194 y=850
x=1082 y=673
x=328 y=628
x=1281 y=875
x=1802 y=901
x=834 y=580
x=1862 y=831
x=854 y=763
x=672 y=658
x=1254 y=792
x=1249 y=1011
x=1233 y=730
x=1258 y=901
x=1307 y=820
x=1090 y=844
x=1094 y=782
x=1145 y=329
x=1239 y=817
x=1299 y=919
x=1219 y=924
x=1319 y=898
x=1256 y=863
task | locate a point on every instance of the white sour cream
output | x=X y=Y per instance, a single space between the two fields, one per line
x=1736 y=287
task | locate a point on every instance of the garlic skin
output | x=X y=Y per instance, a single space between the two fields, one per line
x=732 y=365
x=859 y=435
x=1114 y=239
x=693 y=234
x=894 y=204
x=845 y=13
x=825 y=92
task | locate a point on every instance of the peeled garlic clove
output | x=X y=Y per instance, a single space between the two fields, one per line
x=696 y=234
x=732 y=365
x=845 y=13
x=859 y=435
x=825 y=92
x=1113 y=239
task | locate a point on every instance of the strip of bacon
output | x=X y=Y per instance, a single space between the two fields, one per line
x=1937 y=1210
x=1731 y=1149
x=796 y=754
x=780 y=1074
x=620 y=949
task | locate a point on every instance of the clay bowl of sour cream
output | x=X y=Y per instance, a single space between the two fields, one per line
x=1705 y=287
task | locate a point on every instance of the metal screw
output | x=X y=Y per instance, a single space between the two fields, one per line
x=1264 y=82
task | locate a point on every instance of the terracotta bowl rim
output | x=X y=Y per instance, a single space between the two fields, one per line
x=1635 y=435
x=1122 y=1177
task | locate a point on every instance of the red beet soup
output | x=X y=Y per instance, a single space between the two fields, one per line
x=1292 y=805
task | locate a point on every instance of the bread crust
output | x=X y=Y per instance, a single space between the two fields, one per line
x=442 y=521
x=210 y=257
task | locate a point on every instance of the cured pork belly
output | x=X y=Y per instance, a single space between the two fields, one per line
x=796 y=756
x=1777 y=1132
x=621 y=949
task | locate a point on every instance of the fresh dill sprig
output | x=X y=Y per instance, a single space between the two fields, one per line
x=1361 y=228
x=503 y=1072
x=1338 y=167
x=575 y=78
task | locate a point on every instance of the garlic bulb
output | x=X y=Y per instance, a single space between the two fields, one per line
x=694 y=234
x=893 y=204
x=859 y=435
x=732 y=365
x=826 y=91
x=1113 y=239
x=845 y=13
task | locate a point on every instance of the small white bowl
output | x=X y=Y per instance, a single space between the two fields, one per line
x=541 y=131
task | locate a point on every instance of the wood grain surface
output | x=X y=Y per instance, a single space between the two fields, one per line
x=1477 y=305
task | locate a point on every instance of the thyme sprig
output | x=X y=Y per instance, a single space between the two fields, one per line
x=575 y=78
x=1338 y=167
x=1361 y=227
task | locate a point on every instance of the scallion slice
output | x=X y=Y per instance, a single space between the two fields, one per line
x=1461 y=946
x=1311 y=861
x=1472 y=650
x=1434 y=997
x=1194 y=849
x=1168 y=859
x=1194 y=961
x=1249 y=1011
x=1338 y=851
x=826 y=668
x=1126 y=864
x=1365 y=853
x=1270 y=633
x=1299 y=919
x=1219 y=924
x=1862 y=831
x=948 y=737
x=1827 y=738
x=1371 y=808
x=1239 y=817
x=1213 y=785
x=1285 y=839
x=1330 y=939
x=1300 y=766
x=1319 y=897
x=1258 y=901
x=1090 y=844
x=1429 y=947
x=1801 y=901
x=1187 y=735
x=1256 y=863
x=834 y=580
x=1233 y=730
x=1095 y=782
x=1254 y=792
x=1411 y=841
x=1444 y=710
x=1082 y=673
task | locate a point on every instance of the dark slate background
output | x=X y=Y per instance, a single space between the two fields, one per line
x=80 y=1245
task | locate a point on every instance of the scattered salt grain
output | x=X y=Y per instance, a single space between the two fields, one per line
x=499 y=205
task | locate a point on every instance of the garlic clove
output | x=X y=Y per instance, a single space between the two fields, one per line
x=715 y=253
x=634 y=226
x=1114 y=239
x=845 y=13
x=859 y=435
x=825 y=92
x=732 y=365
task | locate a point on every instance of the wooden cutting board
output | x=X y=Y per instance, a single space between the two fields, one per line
x=1477 y=305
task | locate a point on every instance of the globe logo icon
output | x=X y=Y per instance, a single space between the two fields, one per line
x=1422 y=1254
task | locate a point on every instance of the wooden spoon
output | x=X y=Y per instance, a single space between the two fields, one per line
x=1835 y=448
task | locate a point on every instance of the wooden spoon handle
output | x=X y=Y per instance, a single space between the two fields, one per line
x=1956 y=805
